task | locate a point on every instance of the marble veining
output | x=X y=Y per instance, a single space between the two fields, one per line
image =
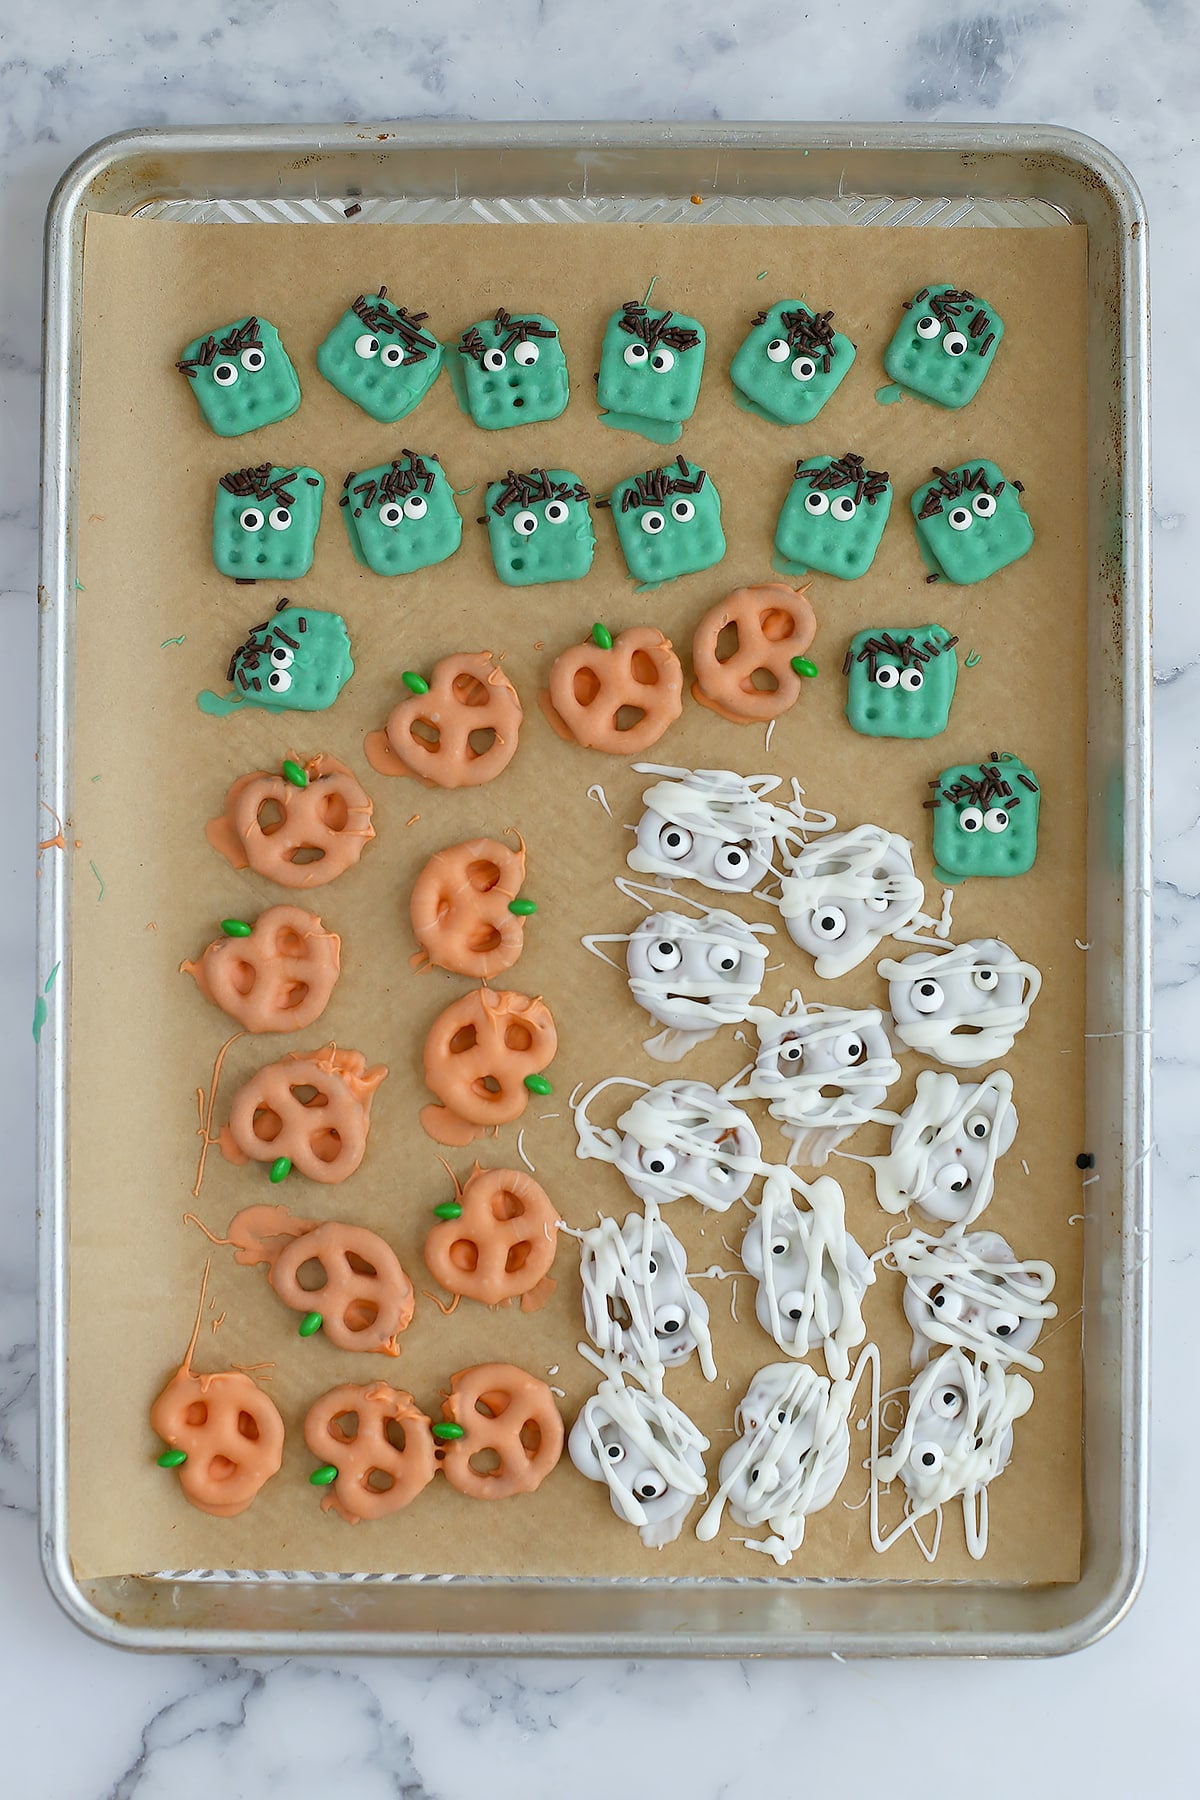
x=84 y=1721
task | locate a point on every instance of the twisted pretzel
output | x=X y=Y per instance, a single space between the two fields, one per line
x=773 y=624
x=512 y=1416
x=477 y=1054
x=621 y=699
x=462 y=732
x=298 y=837
x=502 y=1244
x=365 y=1299
x=313 y=1107
x=230 y=1431
x=277 y=979
x=376 y=1475
x=460 y=909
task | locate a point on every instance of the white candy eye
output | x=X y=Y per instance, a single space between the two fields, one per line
x=952 y=1178
x=792 y=1306
x=252 y=519
x=780 y=1246
x=911 y=680
x=724 y=959
x=828 y=923
x=985 y=979
x=279 y=518
x=494 y=361
x=978 y=1126
x=984 y=505
x=652 y=1267
x=876 y=902
x=849 y=1050
x=683 y=510
x=954 y=343
x=926 y=996
x=557 y=513
x=615 y=1453
x=928 y=327
x=675 y=842
x=803 y=369
x=526 y=355
x=970 y=819
x=731 y=861
x=815 y=502
x=663 y=359
x=995 y=819
x=779 y=349
x=664 y=955
x=792 y=1053
x=392 y=355
x=928 y=1458
x=649 y=1485
x=252 y=360
x=281 y=656
x=366 y=346
x=526 y=523
x=944 y=1303
x=959 y=518
x=390 y=514
x=279 y=681
x=669 y=1321
x=843 y=507
x=947 y=1402
x=887 y=675
x=416 y=506
x=652 y=522
x=1001 y=1324
x=658 y=1162
x=636 y=355
x=225 y=374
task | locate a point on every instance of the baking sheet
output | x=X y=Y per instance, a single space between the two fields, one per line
x=142 y=1038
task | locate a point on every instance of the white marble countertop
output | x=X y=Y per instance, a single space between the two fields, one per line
x=82 y=1720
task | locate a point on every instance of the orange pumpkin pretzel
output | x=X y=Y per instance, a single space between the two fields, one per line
x=621 y=699
x=365 y=1299
x=478 y=1053
x=312 y=1107
x=509 y=1413
x=460 y=733
x=460 y=909
x=279 y=978
x=380 y=1443
x=502 y=1244
x=301 y=837
x=772 y=624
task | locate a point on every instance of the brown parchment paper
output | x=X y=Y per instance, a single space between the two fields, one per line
x=149 y=770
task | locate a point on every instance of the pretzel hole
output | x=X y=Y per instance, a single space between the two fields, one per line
x=380 y=1482
x=468 y=690
x=530 y=1435
x=518 y=1256
x=247 y=1426
x=360 y=1265
x=344 y=1427
x=486 y=1084
x=464 y=1254
x=306 y=853
x=776 y=624
x=307 y=1095
x=518 y=1037
x=293 y=995
x=493 y=1404
x=464 y=1039
x=585 y=685
x=288 y=942
x=483 y=874
x=508 y=1205
x=480 y=741
x=619 y=1313
x=396 y=1435
x=267 y=1124
x=644 y=669
x=486 y=1462
x=243 y=978
x=326 y=1145
x=483 y=939
x=220 y=1468
x=728 y=639
x=426 y=733
x=333 y=812
x=764 y=680
x=196 y=1414
x=360 y=1315
x=269 y=817
x=311 y=1275
x=626 y=717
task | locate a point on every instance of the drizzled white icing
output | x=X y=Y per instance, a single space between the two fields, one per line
x=811 y=1273
x=639 y=1308
x=841 y=896
x=823 y=1070
x=969 y=1292
x=680 y=1138
x=945 y=1145
x=964 y=1005
x=715 y=826
x=789 y=1458
x=647 y=1452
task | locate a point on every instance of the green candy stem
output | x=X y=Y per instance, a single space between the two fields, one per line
x=171 y=1459
x=522 y=908
x=236 y=928
x=802 y=666
x=310 y=1324
x=602 y=637
x=324 y=1476
x=281 y=1168
x=449 y=1209
x=447 y=1432
x=537 y=1084
x=416 y=682
x=295 y=774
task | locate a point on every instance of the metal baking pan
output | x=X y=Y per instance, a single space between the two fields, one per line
x=843 y=175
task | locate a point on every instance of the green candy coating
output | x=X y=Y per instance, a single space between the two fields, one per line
x=401 y=516
x=448 y=1432
x=778 y=370
x=539 y=527
x=449 y=1209
x=900 y=680
x=236 y=928
x=416 y=684
x=537 y=1084
x=970 y=522
x=242 y=377
x=281 y=1168
x=292 y=772
x=377 y=356
x=985 y=820
x=325 y=1476
x=668 y=522
x=265 y=522
x=651 y=363
x=523 y=908
x=310 y=1324
x=803 y=666
x=171 y=1459
x=944 y=345
x=602 y=637
x=833 y=517
x=297 y=661
x=510 y=370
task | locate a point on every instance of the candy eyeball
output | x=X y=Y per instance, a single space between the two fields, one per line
x=815 y=502
x=366 y=346
x=225 y=374
x=843 y=507
x=664 y=955
x=494 y=360
x=675 y=842
x=415 y=506
x=663 y=360
x=682 y=510
x=927 y=997
x=525 y=523
x=959 y=518
x=656 y=1162
x=392 y=356
x=282 y=657
x=928 y=327
x=614 y=1449
x=849 y=1050
x=954 y=343
x=945 y=1303
x=279 y=681
x=252 y=360
x=391 y=514
x=887 y=675
x=279 y=518
x=652 y=522
x=828 y=923
x=803 y=368
x=995 y=819
x=725 y=959
x=635 y=355
x=732 y=862
x=648 y=1484
x=252 y=519
x=970 y=819
x=557 y=512
x=1001 y=1324
x=983 y=506
x=526 y=354
x=912 y=680
x=778 y=350
x=987 y=980
x=978 y=1126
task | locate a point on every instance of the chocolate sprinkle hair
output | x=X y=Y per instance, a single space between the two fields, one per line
x=843 y=472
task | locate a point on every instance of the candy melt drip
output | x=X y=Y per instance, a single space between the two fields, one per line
x=811 y=1273
x=647 y=1452
x=640 y=1310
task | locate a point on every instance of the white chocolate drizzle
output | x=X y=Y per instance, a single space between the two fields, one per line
x=648 y=1453
x=811 y=1273
x=678 y=1139
x=716 y=827
x=639 y=1308
x=964 y=1005
x=945 y=1145
x=969 y=1292
x=840 y=897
